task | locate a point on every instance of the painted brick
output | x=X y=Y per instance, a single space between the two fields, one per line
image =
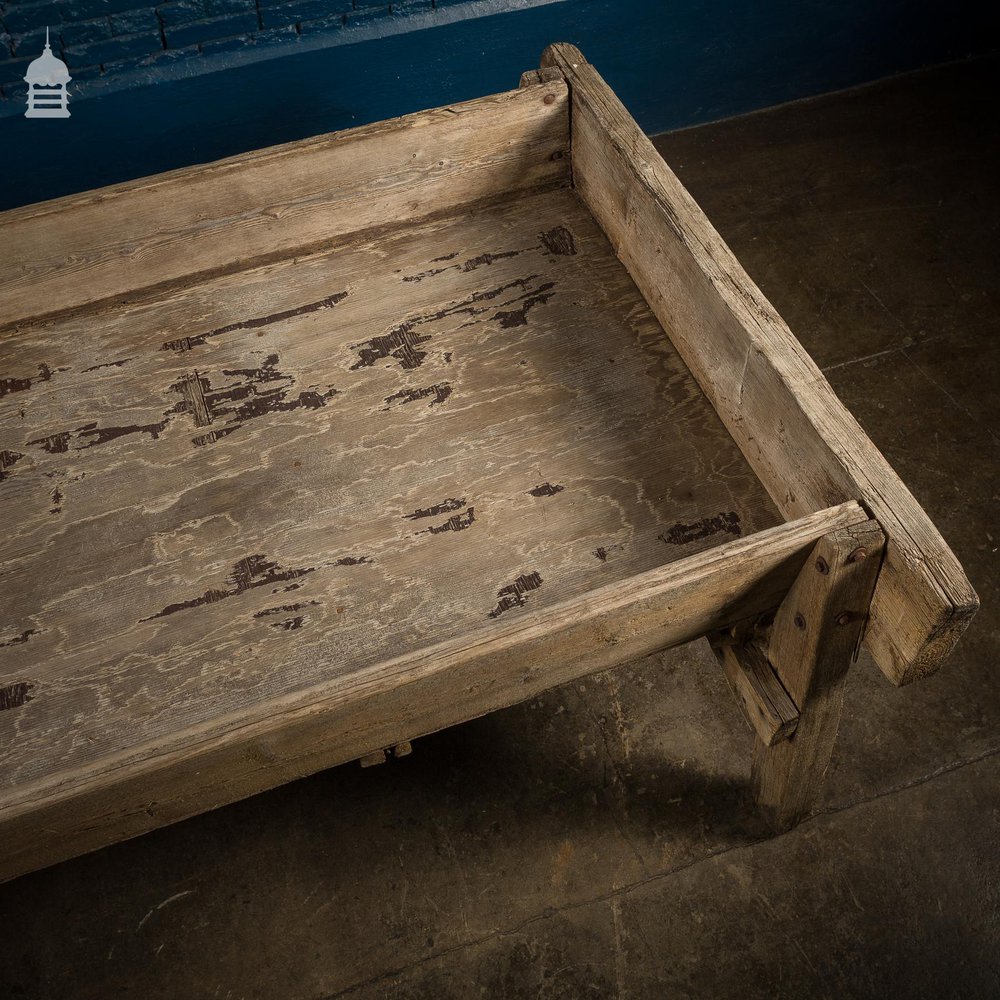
x=113 y=49
x=365 y=15
x=276 y=36
x=332 y=22
x=186 y=11
x=84 y=73
x=285 y=35
x=83 y=10
x=85 y=32
x=413 y=6
x=12 y=71
x=129 y=22
x=29 y=16
x=297 y=10
x=29 y=42
x=151 y=61
x=213 y=27
x=234 y=44
x=181 y=12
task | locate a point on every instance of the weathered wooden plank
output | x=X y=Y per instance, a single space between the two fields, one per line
x=765 y=703
x=808 y=451
x=816 y=633
x=140 y=787
x=205 y=219
x=250 y=486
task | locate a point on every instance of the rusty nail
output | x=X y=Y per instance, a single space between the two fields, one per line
x=800 y=622
x=557 y=155
x=845 y=618
x=548 y=98
x=858 y=555
x=822 y=566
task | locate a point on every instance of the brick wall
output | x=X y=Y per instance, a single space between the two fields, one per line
x=98 y=38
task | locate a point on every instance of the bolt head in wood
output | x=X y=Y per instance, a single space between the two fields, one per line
x=800 y=622
x=548 y=98
x=858 y=555
x=822 y=565
x=844 y=618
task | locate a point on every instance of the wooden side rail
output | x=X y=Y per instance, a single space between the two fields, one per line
x=258 y=206
x=804 y=446
x=395 y=702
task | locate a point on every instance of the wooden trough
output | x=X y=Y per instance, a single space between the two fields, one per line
x=313 y=451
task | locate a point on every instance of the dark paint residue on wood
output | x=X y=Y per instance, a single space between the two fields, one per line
x=248 y=573
x=186 y=343
x=108 y=364
x=15 y=695
x=559 y=241
x=546 y=490
x=20 y=638
x=285 y=609
x=439 y=392
x=8 y=385
x=457 y=522
x=450 y=504
x=8 y=459
x=683 y=534
x=519 y=317
x=513 y=595
x=603 y=551
x=290 y=624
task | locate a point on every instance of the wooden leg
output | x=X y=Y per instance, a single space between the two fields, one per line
x=814 y=640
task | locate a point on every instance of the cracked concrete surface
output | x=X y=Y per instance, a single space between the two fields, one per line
x=599 y=841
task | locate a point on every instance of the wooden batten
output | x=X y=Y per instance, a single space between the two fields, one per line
x=768 y=709
x=391 y=703
x=805 y=447
x=69 y=252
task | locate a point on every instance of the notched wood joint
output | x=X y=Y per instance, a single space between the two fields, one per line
x=403 y=749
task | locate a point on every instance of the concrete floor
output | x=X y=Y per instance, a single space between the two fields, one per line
x=599 y=841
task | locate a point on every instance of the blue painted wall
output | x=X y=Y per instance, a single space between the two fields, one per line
x=673 y=64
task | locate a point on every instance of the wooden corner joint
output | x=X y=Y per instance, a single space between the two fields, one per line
x=764 y=661
x=533 y=77
x=380 y=756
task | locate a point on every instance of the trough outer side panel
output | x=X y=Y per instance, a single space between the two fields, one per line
x=80 y=250
x=153 y=785
x=806 y=448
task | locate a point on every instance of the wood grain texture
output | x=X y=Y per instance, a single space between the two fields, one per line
x=268 y=483
x=808 y=451
x=356 y=713
x=815 y=638
x=764 y=702
x=115 y=241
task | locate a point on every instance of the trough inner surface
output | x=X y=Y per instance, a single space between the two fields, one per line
x=267 y=480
